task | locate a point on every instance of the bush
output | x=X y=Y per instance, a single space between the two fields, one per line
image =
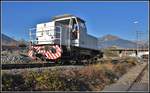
x=108 y=53
x=111 y=75
x=46 y=80
x=22 y=43
x=6 y=82
x=120 y=69
x=12 y=82
x=72 y=80
x=94 y=76
x=131 y=60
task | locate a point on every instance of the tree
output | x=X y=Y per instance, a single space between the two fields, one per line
x=109 y=53
x=22 y=43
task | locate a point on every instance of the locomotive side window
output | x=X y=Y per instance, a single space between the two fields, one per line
x=74 y=29
x=57 y=29
x=82 y=25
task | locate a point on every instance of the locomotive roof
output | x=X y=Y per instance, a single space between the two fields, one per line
x=65 y=16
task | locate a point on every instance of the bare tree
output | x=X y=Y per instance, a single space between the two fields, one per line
x=22 y=43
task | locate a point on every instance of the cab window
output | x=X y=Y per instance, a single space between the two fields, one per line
x=74 y=29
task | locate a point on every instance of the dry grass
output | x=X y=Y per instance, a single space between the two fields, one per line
x=89 y=78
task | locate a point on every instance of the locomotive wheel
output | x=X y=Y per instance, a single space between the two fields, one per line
x=85 y=62
x=90 y=62
x=43 y=59
x=73 y=62
x=60 y=62
x=40 y=57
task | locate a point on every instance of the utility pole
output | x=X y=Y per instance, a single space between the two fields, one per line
x=137 y=43
x=139 y=40
x=137 y=37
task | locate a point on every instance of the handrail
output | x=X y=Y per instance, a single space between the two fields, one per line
x=45 y=29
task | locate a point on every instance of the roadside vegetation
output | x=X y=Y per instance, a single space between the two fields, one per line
x=89 y=78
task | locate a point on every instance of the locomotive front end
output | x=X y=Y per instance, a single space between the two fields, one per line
x=45 y=41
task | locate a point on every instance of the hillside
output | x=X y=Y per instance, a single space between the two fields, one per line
x=110 y=40
x=7 y=41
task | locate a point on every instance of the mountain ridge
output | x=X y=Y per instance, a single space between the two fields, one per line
x=103 y=42
x=111 y=40
x=7 y=40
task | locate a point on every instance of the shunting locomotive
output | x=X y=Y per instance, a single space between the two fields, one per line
x=65 y=37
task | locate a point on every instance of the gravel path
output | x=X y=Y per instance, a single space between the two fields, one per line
x=126 y=80
x=142 y=84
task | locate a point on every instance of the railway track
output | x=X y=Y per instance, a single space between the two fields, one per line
x=19 y=66
x=19 y=71
x=33 y=65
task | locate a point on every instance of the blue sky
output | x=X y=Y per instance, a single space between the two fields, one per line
x=101 y=18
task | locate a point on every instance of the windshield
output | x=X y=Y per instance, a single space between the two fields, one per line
x=82 y=26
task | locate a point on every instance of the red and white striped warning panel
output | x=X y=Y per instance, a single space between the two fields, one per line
x=48 y=53
x=31 y=54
